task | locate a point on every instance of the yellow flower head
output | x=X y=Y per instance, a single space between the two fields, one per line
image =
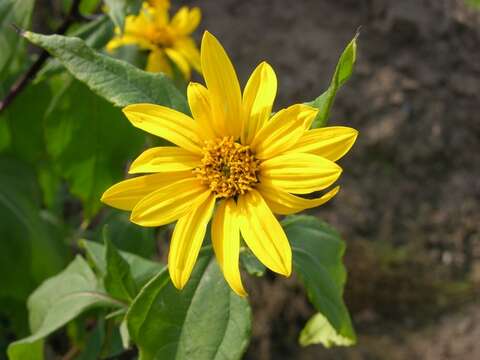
x=230 y=152
x=168 y=41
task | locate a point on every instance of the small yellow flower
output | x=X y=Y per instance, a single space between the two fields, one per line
x=168 y=41
x=231 y=152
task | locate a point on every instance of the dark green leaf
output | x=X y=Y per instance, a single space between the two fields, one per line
x=343 y=71
x=90 y=142
x=118 y=280
x=142 y=269
x=251 y=263
x=28 y=242
x=128 y=236
x=16 y=12
x=204 y=321
x=24 y=119
x=116 y=81
x=317 y=259
x=59 y=300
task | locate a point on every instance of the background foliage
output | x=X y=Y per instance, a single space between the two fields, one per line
x=89 y=283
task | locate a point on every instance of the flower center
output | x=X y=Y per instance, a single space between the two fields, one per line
x=228 y=168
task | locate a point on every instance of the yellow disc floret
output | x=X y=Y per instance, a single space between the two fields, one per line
x=228 y=168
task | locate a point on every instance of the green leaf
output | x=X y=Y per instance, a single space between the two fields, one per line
x=251 y=263
x=18 y=12
x=89 y=142
x=59 y=300
x=24 y=119
x=118 y=280
x=88 y=6
x=28 y=241
x=205 y=320
x=142 y=269
x=343 y=71
x=319 y=331
x=116 y=81
x=317 y=259
x=117 y=10
x=95 y=34
x=128 y=236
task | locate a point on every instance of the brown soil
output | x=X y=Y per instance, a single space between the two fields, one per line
x=411 y=185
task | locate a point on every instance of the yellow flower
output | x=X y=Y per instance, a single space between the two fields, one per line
x=168 y=41
x=231 y=152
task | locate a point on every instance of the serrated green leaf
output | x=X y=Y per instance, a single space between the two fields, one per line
x=18 y=12
x=142 y=269
x=116 y=81
x=95 y=33
x=90 y=142
x=204 y=321
x=118 y=280
x=59 y=300
x=317 y=259
x=343 y=71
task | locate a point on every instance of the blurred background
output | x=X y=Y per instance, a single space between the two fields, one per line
x=409 y=208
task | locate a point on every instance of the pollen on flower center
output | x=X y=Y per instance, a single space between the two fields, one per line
x=228 y=168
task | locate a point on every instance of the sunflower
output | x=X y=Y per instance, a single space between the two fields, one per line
x=232 y=161
x=168 y=41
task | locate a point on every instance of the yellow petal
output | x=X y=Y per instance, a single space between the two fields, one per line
x=258 y=98
x=226 y=243
x=282 y=131
x=180 y=61
x=299 y=173
x=186 y=20
x=284 y=203
x=169 y=203
x=329 y=142
x=164 y=159
x=199 y=102
x=223 y=86
x=169 y=124
x=157 y=62
x=190 y=52
x=126 y=194
x=187 y=240
x=263 y=234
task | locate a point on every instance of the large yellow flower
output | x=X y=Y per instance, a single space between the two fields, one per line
x=231 y=152
x=168 y=41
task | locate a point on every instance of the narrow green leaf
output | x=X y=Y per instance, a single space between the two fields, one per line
x=116 y=81
x=317 y=259
x=118 y=280
x=142 y=269
x=59 y=300
x=343 y=71
x=204 y=321
x=18 y=12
